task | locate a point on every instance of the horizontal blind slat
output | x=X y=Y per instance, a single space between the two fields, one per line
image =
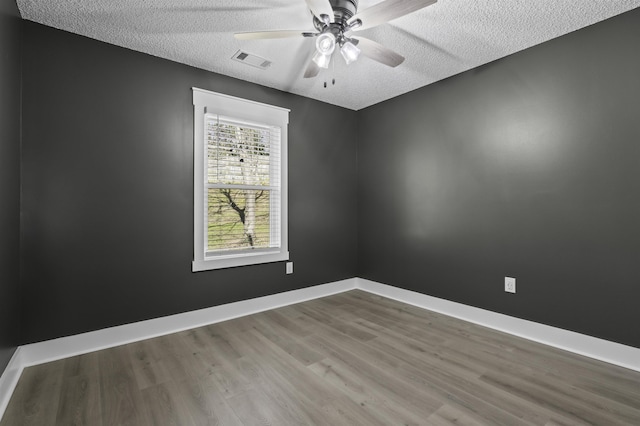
x=242 y=185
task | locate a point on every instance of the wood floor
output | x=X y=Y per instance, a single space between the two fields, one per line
x=348 y=359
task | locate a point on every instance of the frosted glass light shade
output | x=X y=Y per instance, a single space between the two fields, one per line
x=349 y=52
x=321 y=59
x=326 y=43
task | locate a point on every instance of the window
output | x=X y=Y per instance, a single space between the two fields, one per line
x=240 y=182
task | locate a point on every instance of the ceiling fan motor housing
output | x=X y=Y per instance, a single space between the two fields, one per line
x=343 y=10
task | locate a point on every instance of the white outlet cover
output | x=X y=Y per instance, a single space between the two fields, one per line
x=289 y=267
x=509 y=284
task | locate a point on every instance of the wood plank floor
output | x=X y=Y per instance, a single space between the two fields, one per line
x=348 y=359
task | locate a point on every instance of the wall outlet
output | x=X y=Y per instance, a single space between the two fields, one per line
x=289 y=267
x=509 y=285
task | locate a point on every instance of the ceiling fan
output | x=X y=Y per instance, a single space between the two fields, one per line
x=334 y=20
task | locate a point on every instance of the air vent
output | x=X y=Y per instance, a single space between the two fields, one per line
x=251 y=59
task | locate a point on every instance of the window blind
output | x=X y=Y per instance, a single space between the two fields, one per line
x=242 y=185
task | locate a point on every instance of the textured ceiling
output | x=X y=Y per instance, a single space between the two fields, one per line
x=439 y=41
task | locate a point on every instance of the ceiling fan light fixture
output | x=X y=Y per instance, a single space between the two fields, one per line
x=321 y=59
x=349 y=52
x=326 y=43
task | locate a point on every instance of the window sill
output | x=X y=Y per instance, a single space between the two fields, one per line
x=232 y=261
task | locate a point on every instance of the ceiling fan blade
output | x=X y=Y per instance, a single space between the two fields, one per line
x=312 y=70
x=261 y=35
x=378 y=52
x=386 y=11
x=321 y=7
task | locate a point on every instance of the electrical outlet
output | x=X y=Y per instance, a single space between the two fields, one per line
x=509 y=285
x=289 y=267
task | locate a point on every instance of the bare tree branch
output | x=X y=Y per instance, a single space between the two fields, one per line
x=227 y=193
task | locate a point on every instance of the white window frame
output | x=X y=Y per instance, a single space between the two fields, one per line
x=205 y=102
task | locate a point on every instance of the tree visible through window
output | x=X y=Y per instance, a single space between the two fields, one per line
x=241 y=186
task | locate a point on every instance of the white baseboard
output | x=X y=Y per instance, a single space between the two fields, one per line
x=9 y=379
x=592 y=347
x=64 y=347
x=51 y=350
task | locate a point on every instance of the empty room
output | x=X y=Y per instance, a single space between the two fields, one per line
x=319 y=212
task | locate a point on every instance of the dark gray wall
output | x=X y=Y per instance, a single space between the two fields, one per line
x=10 y=44
x=108 y=189
x=526 y=167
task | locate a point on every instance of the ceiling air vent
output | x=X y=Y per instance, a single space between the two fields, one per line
x=251 y=59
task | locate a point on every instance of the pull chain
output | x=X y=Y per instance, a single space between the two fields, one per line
x=333 y=73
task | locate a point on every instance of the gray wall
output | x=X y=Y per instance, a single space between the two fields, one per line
x=10 y=35
x=526 y=167
x=108 y=189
